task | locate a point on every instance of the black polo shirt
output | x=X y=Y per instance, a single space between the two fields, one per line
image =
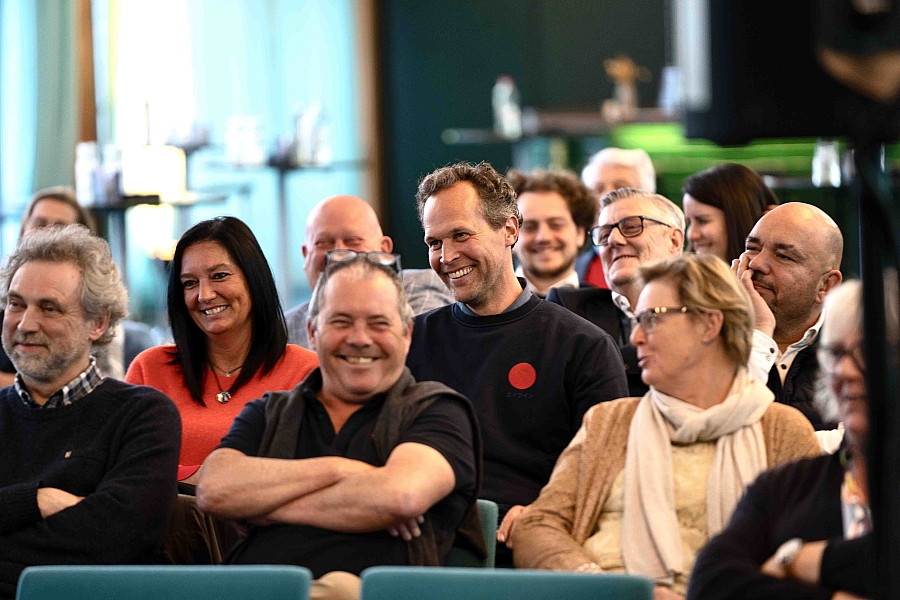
x=443 y=426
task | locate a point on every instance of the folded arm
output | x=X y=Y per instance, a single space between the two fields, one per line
x=236 y=486
x=130 y=505
x=415 y=477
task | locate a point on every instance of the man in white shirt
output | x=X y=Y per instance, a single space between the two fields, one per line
x=557 y=211
x=792 y=261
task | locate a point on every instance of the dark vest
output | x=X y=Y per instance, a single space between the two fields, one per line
x=799 y=387
x=404 y=402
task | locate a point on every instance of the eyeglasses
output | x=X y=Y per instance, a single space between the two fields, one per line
x=649 y=318
x=629 y=227
x=382 y=259
x=831 y=356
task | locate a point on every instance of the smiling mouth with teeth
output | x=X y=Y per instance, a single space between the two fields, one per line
x=362 y=360
x=213 y=311
x=460 y=273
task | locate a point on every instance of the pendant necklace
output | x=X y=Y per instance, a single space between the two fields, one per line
x=224 y=395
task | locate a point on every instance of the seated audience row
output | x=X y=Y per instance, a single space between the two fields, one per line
x=792 y=259
x=352 y=463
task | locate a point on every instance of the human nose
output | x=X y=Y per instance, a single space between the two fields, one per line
x=846 y=368
x=758 y=262
x=693 y=233
x=359 y=335
x=542 y=232
x=615 y=237
x=449 y=252
x=205 y=291
x=28 y=320
x=637 y=337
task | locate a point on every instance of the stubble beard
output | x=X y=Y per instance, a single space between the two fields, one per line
x=45 y=367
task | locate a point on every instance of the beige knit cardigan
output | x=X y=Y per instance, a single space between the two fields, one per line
x=551 y=533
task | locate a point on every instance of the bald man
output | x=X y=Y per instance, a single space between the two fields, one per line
x=792 y=260
x=349 y=222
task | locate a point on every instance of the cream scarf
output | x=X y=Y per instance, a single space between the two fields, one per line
x=651 y=536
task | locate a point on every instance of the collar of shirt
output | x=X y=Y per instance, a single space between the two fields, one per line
x=623 y=304
x=78 y=388
x=520 y=301
x=808 y=338
x=570 y=280
x=770 y=352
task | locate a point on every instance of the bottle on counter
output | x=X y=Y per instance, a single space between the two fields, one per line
x=87 y=165
x=507 y=109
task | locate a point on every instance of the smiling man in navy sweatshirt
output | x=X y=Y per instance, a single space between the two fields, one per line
x=531 y=368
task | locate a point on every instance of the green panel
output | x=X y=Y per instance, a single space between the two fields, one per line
x=441 y=58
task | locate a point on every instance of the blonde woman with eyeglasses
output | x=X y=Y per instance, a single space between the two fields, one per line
x=646 y=481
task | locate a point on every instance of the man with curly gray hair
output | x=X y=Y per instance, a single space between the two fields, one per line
x=531 y=368
x=90 y=459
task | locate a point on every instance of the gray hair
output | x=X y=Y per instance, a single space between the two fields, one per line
x=842 y=315
x=665 y=208
x=101 y=290
x=498 y=198
x=636 y=159
x=364 y=270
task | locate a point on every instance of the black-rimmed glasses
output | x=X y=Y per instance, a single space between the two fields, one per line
x=383 y=259
x=831 y=356
x=629 y=227
x=649 y=318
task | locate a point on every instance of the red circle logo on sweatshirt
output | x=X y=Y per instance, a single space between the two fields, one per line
x=522 y=376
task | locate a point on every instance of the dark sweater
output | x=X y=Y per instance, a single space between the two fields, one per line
x=531 y=374
x=597 y=306
x=118 y=447
x=801 y=499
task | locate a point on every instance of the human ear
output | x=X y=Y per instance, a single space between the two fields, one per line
x=98 y=327
x=512 y=230
x=830 y=280
x=713 y=321
x=311 y=335
x=676 y=237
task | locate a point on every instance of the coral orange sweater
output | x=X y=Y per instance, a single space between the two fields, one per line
x=204 y=426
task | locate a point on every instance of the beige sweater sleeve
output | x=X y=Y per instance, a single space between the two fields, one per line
x=551 y=532
x=542 y=538
x=789 y=435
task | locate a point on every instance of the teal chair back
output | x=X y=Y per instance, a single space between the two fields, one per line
x=151 y=582
x=461 y=557
x=446 y=583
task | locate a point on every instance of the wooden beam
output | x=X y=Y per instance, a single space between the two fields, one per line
x=84 y=57
x=368 y=100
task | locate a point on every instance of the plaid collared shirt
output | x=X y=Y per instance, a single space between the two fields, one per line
x=76 y=389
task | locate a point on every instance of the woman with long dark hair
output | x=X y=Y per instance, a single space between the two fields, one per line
x=230 y=336
x=722 y=204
